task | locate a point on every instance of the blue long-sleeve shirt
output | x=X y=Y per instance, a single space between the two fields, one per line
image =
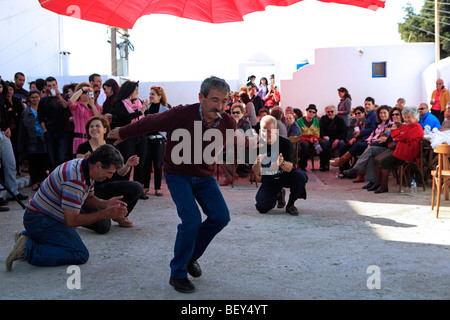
x=370 y=124
x=431 y=120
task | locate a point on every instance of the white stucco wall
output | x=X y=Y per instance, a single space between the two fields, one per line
x=345 y=67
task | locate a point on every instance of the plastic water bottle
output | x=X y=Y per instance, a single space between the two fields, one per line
x=413 y=188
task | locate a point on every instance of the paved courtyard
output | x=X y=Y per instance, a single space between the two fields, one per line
x=346 y=244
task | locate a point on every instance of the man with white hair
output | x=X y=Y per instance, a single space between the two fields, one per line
x=275 y=166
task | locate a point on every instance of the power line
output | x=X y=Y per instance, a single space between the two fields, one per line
x=428 y=19
x=429 y=32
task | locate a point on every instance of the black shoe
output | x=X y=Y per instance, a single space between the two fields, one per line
x=373 y=188
x=3 y=202
x=182 y=285
x=19 y=196
x=292 y=210
x=143 y=196
x=324 y=168
x=193 y=268
x=280 y=199
x=369 y=185
x=382 y=190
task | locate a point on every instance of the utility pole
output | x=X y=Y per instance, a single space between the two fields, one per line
x=437 y=39
x=113 y=51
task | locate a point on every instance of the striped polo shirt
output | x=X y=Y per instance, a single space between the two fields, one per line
x=66 y=188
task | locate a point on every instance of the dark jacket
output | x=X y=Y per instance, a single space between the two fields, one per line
x=334 y=128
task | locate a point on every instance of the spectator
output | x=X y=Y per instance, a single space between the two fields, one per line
x=272 y=98
x=277 y=157
x=250 y=112
x=254 y=98
x=297 y=113
x=262 y=113
x=291 y=125
x=333 y=130
x=14 y=109
x=83 y=108
x=407 y=147
x=95 y=81
x=41 y=86
x=310 y=132
x=19 y=91
x=53 y=115
x=111 y=89
x=237 y=112
x=128 y=109
x=263 y=88
x=446 y=124
x=69 y=90
x=359 y=125
x=428 y=118
x=97 y=128
x=439 y=100
x=31 y=142
x=345 y=105
x=400 y=103
x=156 y=141
x=277 y=113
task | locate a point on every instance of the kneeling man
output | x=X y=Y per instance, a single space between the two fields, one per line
x=275 y=166
x=50 y=238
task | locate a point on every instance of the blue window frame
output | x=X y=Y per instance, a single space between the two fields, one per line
x=379 y=69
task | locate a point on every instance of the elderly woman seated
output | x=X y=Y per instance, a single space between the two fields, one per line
x=237 y=112
x=407 y=147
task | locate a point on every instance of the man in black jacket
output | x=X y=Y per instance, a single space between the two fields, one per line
x=334 y=131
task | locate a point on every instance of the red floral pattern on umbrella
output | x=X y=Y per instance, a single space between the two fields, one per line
x=124 y=14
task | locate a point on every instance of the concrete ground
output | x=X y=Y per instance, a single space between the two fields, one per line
x=346 y=244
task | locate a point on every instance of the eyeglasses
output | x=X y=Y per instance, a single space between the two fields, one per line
x=312 y=111
x=422 y=108
x=396 y=114
x=331 y=111
x=439 y=84
x=236 y=112
x=358 y=113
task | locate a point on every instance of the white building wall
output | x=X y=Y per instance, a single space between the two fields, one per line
x=346 y=67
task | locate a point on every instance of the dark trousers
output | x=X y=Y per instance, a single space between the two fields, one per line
x=266 y=197
x=439 y=115
x=305 y=148
x=155 y=152
x=134 y=146
x=130 y=190
x=39 y=163
x=59 y=147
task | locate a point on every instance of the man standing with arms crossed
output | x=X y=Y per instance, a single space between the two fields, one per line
x=192 y=182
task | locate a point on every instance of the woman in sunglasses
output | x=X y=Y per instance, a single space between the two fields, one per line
x=237 y=112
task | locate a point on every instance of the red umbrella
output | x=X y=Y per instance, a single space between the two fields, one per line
x=124 y=14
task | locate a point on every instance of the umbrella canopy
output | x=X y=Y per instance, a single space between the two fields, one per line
x=124 y=14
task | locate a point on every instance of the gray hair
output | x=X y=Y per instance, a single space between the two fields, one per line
x=214 y=83
x=107 y=155
x=267 y=119
x=330 y=107
x=411 y=111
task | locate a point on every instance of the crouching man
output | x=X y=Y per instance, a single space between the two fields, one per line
x=50 y=238
x=275 y=166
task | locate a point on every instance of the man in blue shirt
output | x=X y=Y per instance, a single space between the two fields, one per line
x=426 y=118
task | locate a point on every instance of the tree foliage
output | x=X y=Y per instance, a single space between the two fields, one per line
x=420 y=27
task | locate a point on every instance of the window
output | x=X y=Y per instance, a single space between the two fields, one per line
x=378 y=69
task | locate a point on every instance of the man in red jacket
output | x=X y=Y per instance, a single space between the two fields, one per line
x=189 y=173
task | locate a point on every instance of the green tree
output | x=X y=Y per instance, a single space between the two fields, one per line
x=420 y=27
